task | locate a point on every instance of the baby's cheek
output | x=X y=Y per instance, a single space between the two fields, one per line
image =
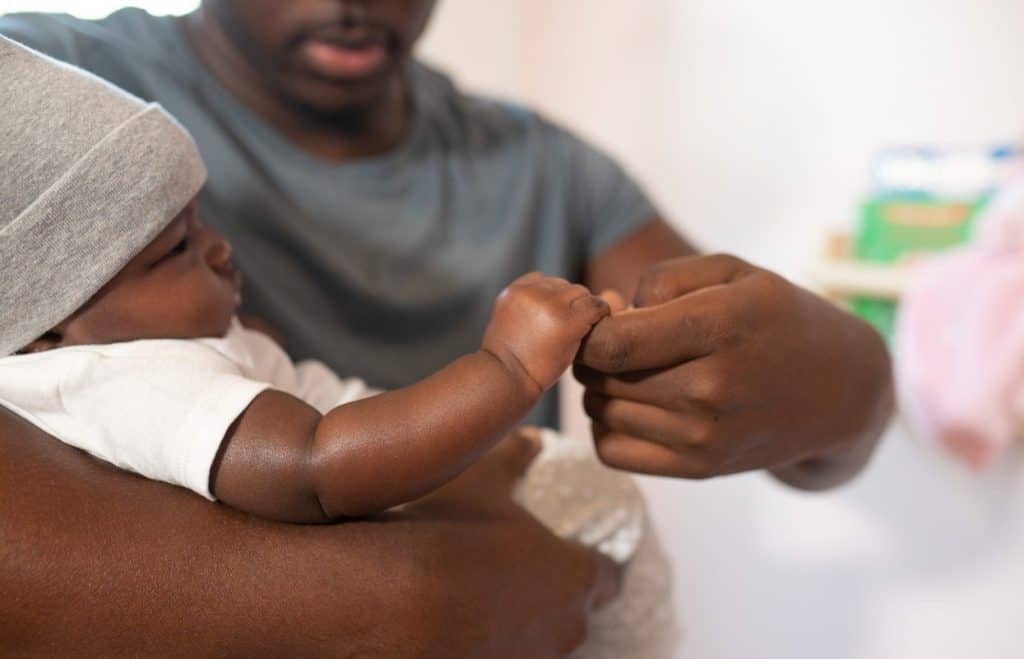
x=198 y=310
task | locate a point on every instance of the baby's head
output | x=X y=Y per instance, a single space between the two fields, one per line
x=100 y=239
x=182 y=285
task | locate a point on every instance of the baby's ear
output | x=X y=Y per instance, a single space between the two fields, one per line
x=49 y=341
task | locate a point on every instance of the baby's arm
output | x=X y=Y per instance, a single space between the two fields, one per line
x=283 y=460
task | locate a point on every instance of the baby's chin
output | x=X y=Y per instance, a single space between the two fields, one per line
x=220 y=320
x=227 y=321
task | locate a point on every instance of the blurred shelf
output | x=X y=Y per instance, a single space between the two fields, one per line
x=845 y=278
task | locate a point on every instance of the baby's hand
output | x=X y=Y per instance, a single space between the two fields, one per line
x=538 y=323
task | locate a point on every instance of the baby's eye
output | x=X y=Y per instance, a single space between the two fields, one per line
x=180 y=247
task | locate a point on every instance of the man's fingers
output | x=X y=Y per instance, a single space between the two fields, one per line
x=666 y=389
x=629 y=453
x=654 y=424
x=655 y=337
x=677 y=277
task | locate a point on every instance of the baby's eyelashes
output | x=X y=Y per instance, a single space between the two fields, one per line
x=180 y=247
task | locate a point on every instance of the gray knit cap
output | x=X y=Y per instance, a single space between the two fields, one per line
x=89 y=175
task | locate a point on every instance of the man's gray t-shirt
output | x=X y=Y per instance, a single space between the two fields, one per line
x=385 y=268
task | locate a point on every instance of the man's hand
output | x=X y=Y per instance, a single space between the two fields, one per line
x=538 y=323
x=724 y=367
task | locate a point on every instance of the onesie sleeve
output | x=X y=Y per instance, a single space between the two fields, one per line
x=161 y=410
x=309 y=380
x=321 y=387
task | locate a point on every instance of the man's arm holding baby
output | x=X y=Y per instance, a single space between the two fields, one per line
x=284 y=460
x=109 y=564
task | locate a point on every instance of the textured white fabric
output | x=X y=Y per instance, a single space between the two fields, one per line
x=160 y=408
x=578 y=498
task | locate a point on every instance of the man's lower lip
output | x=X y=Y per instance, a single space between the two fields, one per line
x=336 y=61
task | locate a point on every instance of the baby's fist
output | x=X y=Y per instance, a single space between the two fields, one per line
x=538 y=323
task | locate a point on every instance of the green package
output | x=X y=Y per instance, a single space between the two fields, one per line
x=892 y=228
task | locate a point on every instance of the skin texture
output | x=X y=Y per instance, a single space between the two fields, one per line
x=146 y=569
x=725 y=367
x=284 y=461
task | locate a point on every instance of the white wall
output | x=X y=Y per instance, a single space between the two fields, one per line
x=98 y=8
x=752 y=123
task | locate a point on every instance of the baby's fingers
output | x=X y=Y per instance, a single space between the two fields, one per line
x=589 y=309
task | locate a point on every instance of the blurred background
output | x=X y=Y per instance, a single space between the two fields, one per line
x=761 y=128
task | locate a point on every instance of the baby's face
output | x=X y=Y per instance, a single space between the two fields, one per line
x=182 y=285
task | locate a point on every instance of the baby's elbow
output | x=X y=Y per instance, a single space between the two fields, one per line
x=341 y=506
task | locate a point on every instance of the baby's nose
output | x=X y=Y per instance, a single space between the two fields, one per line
x=218 y=254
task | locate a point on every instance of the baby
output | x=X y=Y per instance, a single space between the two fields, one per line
x=118 y=335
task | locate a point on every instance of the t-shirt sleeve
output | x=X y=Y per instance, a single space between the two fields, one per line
x=162 y=413
x=115 y=48
x=58 y=35
x=605 y=202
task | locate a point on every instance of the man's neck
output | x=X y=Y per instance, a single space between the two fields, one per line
x=364 y=132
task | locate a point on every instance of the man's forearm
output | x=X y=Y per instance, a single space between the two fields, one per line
x=872 y=404
x=95 y=562
x=834 y=469
x=98 y=562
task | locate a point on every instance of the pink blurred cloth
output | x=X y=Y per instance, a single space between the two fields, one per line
x=959 y=340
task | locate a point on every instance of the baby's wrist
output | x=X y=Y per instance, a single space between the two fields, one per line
x=515 y=371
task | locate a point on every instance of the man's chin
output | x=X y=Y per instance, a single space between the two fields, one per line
x=349 y=103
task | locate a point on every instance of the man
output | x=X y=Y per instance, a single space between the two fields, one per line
x=376 y=211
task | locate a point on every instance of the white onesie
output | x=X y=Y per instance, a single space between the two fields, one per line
x=161 y=407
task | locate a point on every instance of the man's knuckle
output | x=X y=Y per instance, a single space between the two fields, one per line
x=694 y=327
x=660 y=290
x=609 y=356
x=730 y=335
x=703 y=432
x=710 y=391
x=653 y=284
x=729 y=261
x=771 y=287
x=676 y=399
